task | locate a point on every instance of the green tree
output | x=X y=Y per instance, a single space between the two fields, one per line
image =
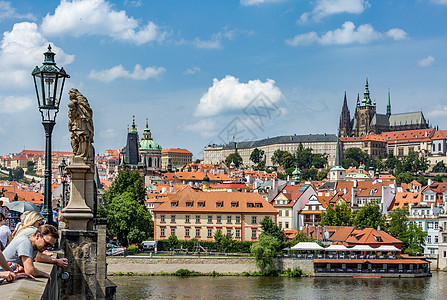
x=319 y=160
x=127 y=181
x=438 y=178
x=303 y=157
x=300 y=237
x=287 y=160
x=16 y=174
x=398 y=223
x=369 y=216
x=422 y=180
x=440 y=167
x=234 y=158
x=391 y=162
x=172 y=242
x=197 y=161
x=340 y=215
x=224 y=242
x=354 y=156
x=309 y=174
x=413 y=163
x=128 y=219
x=30 y=167
x=257 y=155
x=406 y=177
x=264 y=251
x=413 y=240
x=270 y=228
x=322 y=174
x=277 y=157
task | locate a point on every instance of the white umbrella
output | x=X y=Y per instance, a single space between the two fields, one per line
x=4 y=199
x=387 y=248
x=336 y=248
x=22 y=206
x=361 y=248
x=307 y=246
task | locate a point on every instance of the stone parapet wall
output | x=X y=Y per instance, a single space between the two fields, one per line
x=145 y=264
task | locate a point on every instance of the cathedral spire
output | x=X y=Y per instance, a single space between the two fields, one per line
x=358 y=99
x=388 y=107
x=134 y=127
x=366 y=99
x=344 y=128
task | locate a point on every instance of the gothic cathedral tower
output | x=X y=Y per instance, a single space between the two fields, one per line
x=344 y=127
x=364 y=112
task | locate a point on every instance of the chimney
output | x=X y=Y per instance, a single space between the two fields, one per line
x=378 y=228
x=316 y=232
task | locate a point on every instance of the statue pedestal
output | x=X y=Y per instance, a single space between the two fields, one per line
x=78 y=214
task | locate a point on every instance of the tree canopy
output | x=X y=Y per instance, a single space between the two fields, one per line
x=277 y=157
x=270 y=228
x=257 y=155
x=340 y=215
x=369 y=216
x=127 y=181
x=354 y=157
x=234 y=158
x=264 y=250
x=440 y=167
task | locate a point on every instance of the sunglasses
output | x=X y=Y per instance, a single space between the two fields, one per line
x=47 y=244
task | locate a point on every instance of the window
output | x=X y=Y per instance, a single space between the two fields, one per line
x=228 y=219
x=198 y=219
x=219 y=204
x=286 y=225
x=201 y=204
x=210 y=233
x=258 y=205
x=219 y=219
x=280 y=224
x=228 y=231
x=436 y=239
x=429 y=239
x=162 y=219
x=279 y=212
x=172 y=218
x=445 y=254
x=430 y=225
x=287 y=212
x=238 y=233
x=234 y=205
x=187 y=219
x=197 y=232
x=188 y=204
x=210 y=219
x=162 y=232
x=253 y=233
x=253 y=220
x=238 y=219
x=249 y=205
x=186 y=232
x=420 y=224
x=174 y=204
x=172 y=231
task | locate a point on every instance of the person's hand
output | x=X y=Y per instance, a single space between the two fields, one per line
x=47 y=253
x=19 y=269
x=8 y=275
x=62 y=262
x=24 y=275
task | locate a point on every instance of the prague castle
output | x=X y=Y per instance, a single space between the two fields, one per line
x=367 y=121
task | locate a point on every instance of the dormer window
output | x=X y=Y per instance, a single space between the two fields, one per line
x=378 y=239
x=234 y=205
x=249 y=205
x=189 y=204
x=258 y=205
x=200 y=204
x=219 y=204
x=174 y=204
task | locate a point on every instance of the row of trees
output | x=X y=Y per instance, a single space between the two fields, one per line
x=127 y=217
x=370 y=216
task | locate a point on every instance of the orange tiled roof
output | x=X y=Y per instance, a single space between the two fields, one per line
x=440 y=135
x=196 y=176
x=403 y=199
x=351 y=139
x=210 y=202
x=175 y=150
x=367 y=236
x=374 y=137
x=418 y=135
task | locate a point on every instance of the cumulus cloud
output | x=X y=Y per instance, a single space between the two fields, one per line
x=21 y=50
x=11 y=104
x=138 y=73
x=215 y=42
x=230 y=94
x=257 y=2
x=444 y=2
x=192 y=71
x=439 y=111
x=96 y=17
x=325 y=8
x=426 y=61
x=397 y=34
x=9 y=12
x=347 y=34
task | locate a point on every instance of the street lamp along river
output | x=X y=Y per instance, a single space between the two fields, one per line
x=49 y=83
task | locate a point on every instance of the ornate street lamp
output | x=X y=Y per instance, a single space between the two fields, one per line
x=49 y=82
x=63 y=181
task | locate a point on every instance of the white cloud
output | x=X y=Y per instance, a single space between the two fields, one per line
x=230 y=94
x=192 y=71
x=397 y=34
x=9 y=12
x=348 y=34
x=325 y=8
x=426 y=61
x=440 y=111
x=21 y=50
x=12 y=104
x=205 y=127
x=215 y=42
x=96 y=17
x=138 y=73
x=258 y=2
x=439 y=1
x=108 y=133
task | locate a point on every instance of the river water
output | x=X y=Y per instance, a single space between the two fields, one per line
x=238 y=287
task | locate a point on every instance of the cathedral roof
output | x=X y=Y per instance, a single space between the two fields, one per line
x=381 y=120
x=149 y=145
x=283 y=140
x=407 y=119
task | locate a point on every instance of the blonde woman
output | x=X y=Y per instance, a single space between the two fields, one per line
x=20 y=224
x=32 y=221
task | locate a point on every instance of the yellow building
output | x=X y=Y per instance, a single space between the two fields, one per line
x=192 y=214
x=177 y=157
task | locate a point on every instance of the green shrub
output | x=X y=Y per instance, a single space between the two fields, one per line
x=132 y=249
x=296 y=272
x=183 y=272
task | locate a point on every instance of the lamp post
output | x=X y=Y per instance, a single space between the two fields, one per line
x=63 y=181
x=49 y=82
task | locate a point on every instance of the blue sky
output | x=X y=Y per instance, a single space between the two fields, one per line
x=207 y=72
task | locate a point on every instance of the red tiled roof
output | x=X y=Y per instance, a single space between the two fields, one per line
x=417 y=135
x=175 y=150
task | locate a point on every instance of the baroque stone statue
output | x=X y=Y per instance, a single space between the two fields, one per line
x=80 y=125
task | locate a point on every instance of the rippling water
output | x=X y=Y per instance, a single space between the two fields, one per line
x=226 y=287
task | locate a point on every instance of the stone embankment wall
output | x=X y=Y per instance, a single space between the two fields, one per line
x=145 y=264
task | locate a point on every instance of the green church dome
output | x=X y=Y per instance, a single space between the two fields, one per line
x=149 y=145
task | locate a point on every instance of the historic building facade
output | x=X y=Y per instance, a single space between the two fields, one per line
x=366 y=120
